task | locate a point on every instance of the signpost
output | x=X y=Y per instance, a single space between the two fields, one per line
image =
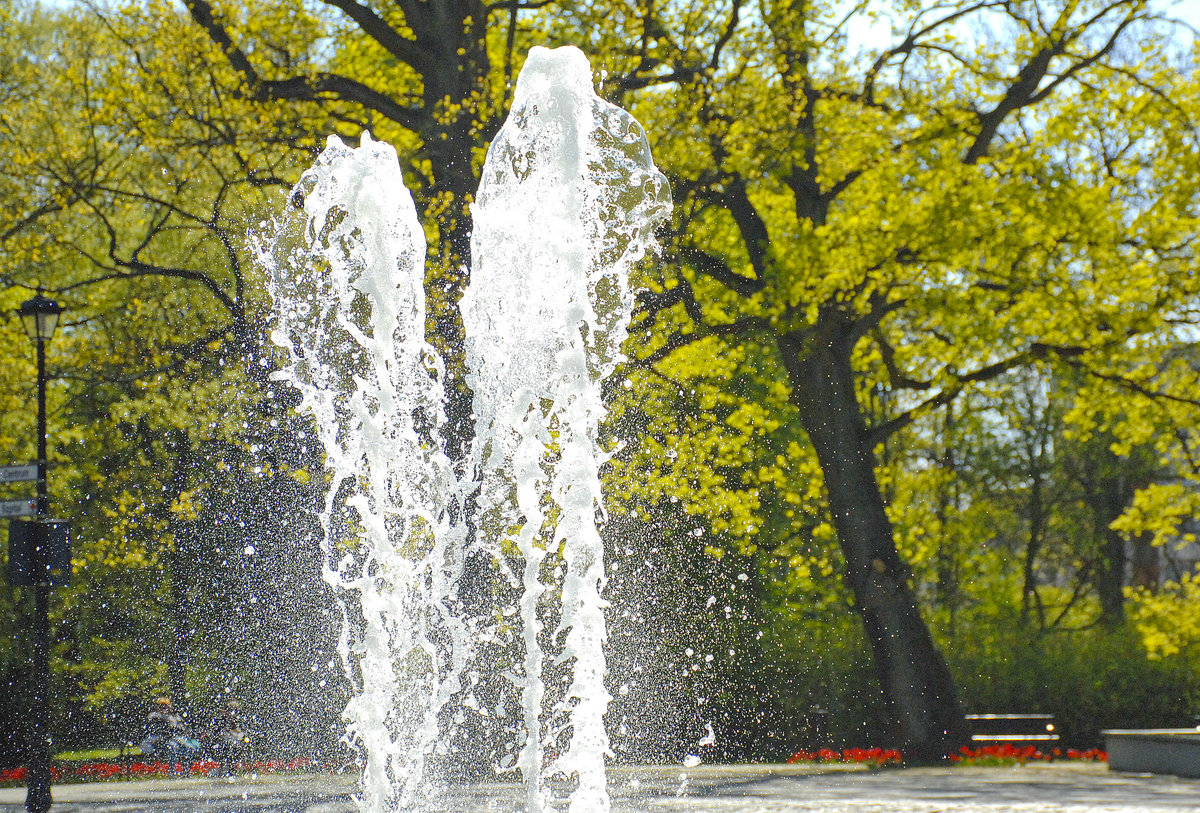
x=18 y=474
x=18 y=508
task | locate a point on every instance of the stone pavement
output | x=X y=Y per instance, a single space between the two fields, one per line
x=1053 y=788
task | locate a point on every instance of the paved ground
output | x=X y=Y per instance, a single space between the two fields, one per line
x=1059 y=788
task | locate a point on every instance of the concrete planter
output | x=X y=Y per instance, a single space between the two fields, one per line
x=1154 y=750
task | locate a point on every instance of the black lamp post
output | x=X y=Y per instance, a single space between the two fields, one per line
x=40 y=318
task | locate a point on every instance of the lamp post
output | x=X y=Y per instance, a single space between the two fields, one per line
x=40 y=318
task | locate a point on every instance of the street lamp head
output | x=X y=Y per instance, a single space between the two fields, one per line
x=40 y=317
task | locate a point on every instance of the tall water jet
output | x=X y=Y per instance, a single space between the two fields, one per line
x=347 y=279
x=567 y=205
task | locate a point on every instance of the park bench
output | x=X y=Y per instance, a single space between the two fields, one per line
x=1014 y=729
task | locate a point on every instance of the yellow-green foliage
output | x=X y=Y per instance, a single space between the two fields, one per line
x=1052 y=247
x=1160 y=509
x=1168 y=620
x=130 y=141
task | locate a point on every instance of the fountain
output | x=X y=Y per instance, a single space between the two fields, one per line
x=567 y=205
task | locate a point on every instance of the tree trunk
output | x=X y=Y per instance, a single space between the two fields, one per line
x=1146 y=563
x=1030 y=598
x=452 y=34
x=917 y=685
x=177 y=655
x=1110 y=583
x=947 y=563
x=1112 y=493
x=1109 y=503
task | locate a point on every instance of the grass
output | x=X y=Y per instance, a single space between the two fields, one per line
x=96 y=754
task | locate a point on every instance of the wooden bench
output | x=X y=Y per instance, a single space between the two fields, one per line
x=1015 y=729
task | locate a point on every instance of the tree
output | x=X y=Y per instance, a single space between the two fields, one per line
x=425 y=74
x=134 y=175
x=834 y=212
x=1032 y=498
x=917 y=220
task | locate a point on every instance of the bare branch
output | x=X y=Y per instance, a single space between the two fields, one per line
x=718 y=269
x=881 y=432
x=301 y=88
x=374 y=26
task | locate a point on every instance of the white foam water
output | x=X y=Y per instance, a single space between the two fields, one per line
x=347 y=281
x=567 y=206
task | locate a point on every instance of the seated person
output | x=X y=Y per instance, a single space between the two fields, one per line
x=167 y=736
x=226 y=739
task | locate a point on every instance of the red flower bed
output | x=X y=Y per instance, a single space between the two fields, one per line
x=1004 y=754
x=99 y=771
x=867 y=756
x=1008 y=754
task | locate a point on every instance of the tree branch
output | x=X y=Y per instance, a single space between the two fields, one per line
x=680 y=340
x=301 y=88
x=28 y=220
x=718 y=269
x=136 y=268
x=1019 y=94
x=734 y=198
x=1025 y=89
x=1130 y=384
x=374 y=26
x=514 y=5
x=311 y=88
x=1085 y=61
x=910 y=43
x=651 y=303
x=881 y=432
